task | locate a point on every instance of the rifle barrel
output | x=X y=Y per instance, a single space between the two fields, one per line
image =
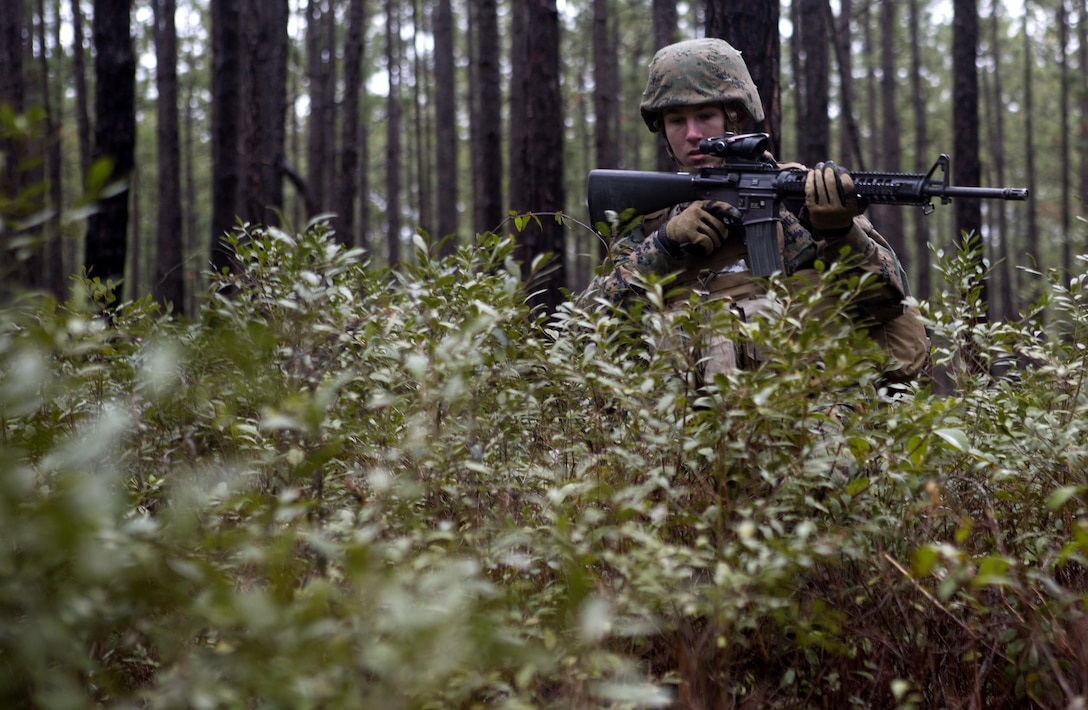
x=1018 y=194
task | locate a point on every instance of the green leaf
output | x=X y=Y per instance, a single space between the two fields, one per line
x=923 y=559
x=955 y=438
x=992 y=571
x=1061 y=496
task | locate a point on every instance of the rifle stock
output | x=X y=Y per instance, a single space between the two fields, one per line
x=756 y=187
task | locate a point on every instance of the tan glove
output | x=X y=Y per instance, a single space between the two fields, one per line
x=830 y=199
x=704 y=224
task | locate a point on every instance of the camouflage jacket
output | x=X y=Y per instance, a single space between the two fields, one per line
x=640 y=251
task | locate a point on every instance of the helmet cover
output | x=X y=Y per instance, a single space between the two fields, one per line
x=696 y=72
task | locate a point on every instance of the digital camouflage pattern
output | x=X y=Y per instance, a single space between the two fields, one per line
x=695 y=72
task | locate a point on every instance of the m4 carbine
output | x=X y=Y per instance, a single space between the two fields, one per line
x=757 y=186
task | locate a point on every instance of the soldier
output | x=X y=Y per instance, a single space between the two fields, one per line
x=702 y=89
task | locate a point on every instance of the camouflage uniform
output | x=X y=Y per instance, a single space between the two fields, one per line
x=710 y=71
x=641 y=251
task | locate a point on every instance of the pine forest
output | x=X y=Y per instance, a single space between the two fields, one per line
x=302 y=404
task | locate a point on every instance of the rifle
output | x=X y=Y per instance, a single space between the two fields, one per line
x=757 y=187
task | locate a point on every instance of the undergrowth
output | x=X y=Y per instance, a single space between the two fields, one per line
x=348 y=487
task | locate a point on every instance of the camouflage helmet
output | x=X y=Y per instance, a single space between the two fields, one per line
x=694 y=72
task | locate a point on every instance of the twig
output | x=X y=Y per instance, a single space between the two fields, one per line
x=925 y=592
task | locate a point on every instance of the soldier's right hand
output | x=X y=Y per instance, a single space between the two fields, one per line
x=704 y=224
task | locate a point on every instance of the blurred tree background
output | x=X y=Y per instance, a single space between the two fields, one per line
x=442 y=117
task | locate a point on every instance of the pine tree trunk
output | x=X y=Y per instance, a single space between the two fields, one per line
x=114 y=135
x=265 y=91
x=1063 y=136
x=328 y=116
x=392 y=127
x=169 y=285
x=921 y=128
x=889 y=220
x=814 y=134
x=190 y=219
x=606 y=89
x=421 y=100
x=79 y=70
x=349 y=130
x=1004 y=250
x=665 y=21
x=54 y=273
x=486 y=92
x=871 y=93
x=965 y=165
x=446 y=142
x=752 y=28
x=316 y=136
x=1082 y=124
x=226 y=125
x=849 y=138
x=1034 y=254
x=536 y=143
x=13 y=95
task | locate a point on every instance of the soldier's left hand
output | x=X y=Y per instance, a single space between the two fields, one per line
x=830 y=199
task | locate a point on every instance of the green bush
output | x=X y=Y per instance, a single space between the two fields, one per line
x=346 y=487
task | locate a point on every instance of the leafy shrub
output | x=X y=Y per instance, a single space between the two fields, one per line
x=345 y=487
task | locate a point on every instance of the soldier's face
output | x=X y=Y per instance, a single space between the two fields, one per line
x=686 y=126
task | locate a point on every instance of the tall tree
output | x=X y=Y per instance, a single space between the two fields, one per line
x=797 y=71
x=921 y=131
x=849 y=135
x=12 y=49
x=226 y=124
x=346 y=180
x=965 y=97
x=319 y=78
x=169 y=277
x=606 y=89
x=329 y=115
x=1063 y=134
x=813 y=50
x=392 y=133
x=664 y=21
x=871 y=93
x=446 y=140
x=12 y=97
x=485 y=79
x=191 y=237
x=536 y=142
x=1034 y=254
x=79 y=72
x=114 y=135
x=55 y=275
x=996 y=125
x=364 y=241
x=421 y=103
x=1082 y=124
x=264 y=32
x=965 y=167
x=752 y=28
x=890 y=219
